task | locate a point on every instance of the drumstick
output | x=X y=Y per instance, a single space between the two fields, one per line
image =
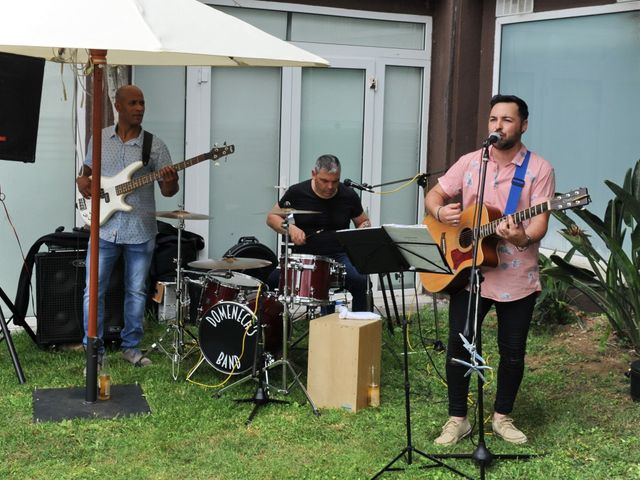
x=315 y=233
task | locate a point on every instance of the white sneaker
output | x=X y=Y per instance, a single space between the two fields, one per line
x=453 y=431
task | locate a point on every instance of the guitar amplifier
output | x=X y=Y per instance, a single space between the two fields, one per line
x=60 y=282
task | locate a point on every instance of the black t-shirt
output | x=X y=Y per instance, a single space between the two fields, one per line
x=336 y=214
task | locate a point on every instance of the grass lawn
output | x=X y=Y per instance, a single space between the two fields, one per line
x=574 y=405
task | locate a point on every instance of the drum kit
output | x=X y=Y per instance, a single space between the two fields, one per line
x=238 y=319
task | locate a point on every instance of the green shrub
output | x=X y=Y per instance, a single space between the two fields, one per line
x=613 y=280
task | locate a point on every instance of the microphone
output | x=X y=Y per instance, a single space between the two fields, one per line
x=360 y=186
x=491 y=139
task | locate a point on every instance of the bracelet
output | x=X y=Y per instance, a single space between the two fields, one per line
x=438 y=212
x=526 y=245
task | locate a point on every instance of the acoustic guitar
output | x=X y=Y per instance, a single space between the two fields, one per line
x=456 y=242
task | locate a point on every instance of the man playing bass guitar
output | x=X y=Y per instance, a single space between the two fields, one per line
x=512 y=286
x=131 y=234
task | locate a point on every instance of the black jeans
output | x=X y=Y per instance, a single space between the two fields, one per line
x=514 y=319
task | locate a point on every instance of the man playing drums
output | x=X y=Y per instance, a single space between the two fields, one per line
x=314 y=234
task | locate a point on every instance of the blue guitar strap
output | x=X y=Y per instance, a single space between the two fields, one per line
x=516 y=185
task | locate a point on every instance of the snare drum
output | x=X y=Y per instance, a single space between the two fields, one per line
x=309 y=278
x=226 y=286
x=223 y=341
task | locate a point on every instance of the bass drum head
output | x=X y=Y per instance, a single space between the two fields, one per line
x=249 y=247
x=222 y=334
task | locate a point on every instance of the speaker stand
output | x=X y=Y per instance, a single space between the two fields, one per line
x=17 y=319
x=7 y=337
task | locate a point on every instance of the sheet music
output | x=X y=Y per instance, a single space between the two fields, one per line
x=418 y=247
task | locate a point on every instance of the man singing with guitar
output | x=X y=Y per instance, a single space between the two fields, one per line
x=131 y=232
x=512 y=285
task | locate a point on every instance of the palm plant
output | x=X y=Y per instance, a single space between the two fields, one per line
x=613 y=280
x=554 y=304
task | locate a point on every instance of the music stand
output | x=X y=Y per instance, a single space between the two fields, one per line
x=397 y=248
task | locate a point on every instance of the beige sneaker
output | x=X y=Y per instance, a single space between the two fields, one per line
x=453 y=431
x=504 y=428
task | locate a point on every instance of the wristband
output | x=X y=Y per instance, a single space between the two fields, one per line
x=526 y=245
x=438 y=212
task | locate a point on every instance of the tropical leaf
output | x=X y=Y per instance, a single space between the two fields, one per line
x=613 y=282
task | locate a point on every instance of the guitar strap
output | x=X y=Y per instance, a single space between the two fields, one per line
x=147 y=140
x=516 y=185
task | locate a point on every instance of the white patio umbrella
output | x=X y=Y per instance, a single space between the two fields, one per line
x=135 y=32
x=141 y=32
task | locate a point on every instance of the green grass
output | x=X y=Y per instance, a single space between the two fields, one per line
x=582 y=424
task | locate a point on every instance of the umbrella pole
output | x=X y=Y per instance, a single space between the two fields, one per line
x=99 y=60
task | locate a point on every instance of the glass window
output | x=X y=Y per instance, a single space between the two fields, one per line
x=245 y=111
x=333 y=29
x=401 y=145
x=580 y=77
x=332 y=119
x=356 y=31
x=269 y=21
x=164 y=116
x=401 y=141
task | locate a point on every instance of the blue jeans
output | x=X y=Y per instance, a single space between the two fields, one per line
x=137 y=260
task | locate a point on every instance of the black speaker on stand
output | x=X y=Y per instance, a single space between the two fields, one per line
x=60 y=282
x=20 y=93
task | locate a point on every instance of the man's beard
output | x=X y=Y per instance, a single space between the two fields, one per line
x=506 y=144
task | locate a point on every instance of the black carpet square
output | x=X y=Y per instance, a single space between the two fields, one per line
x=57 y=404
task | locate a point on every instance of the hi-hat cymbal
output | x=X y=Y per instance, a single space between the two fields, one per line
x=182 y=215
x=230 y=263
x=283 y=212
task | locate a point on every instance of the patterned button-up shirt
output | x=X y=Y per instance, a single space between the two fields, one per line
x=139 y=225
x=516 y=275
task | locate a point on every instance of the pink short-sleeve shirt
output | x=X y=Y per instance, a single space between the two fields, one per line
x=516 y=275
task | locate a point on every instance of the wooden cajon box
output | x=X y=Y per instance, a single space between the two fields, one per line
x=341 y=354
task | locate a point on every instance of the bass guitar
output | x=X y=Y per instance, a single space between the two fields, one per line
x=113 y=190
x=456 y=242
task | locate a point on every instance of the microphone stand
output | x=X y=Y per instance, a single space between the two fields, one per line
x=423 y=181
x=481 y=455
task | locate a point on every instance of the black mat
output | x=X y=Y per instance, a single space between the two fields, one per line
x=56 y=404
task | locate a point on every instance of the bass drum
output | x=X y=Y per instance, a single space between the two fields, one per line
x=223 y=341
x=250 y=247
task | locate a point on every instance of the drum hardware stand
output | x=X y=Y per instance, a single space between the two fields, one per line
x=261 y=395
x=256 y=373
x=6 y=335
x=286 y=300
x=176 y=351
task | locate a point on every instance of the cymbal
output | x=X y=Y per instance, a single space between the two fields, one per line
x=284 y=212
x=182 y=215
x=230 y=263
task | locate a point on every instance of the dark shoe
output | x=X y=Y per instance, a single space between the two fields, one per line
x=135 y=356
x=506 y=430
x=453 y=431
